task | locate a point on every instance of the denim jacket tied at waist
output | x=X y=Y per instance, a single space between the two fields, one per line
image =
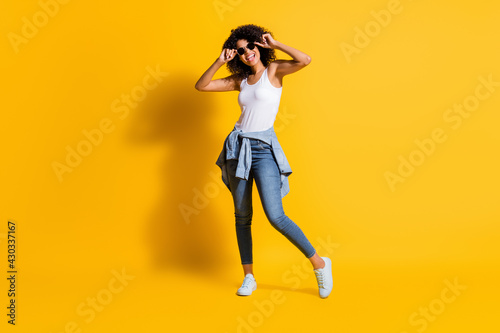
x=234 y=148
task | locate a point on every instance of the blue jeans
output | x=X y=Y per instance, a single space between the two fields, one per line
x=267 y=177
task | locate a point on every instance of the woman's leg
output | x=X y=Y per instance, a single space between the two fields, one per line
x=268 y=180
x=241 y=191
x=317 y=261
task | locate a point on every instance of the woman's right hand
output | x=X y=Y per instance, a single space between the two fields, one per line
x=227 y=55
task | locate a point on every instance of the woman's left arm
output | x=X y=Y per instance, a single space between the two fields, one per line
x=300 y=59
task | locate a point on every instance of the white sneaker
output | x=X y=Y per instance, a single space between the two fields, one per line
x=324 y=278
x=249 y=284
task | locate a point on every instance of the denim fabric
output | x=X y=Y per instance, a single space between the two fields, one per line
x=237 y=146
x=265 y=170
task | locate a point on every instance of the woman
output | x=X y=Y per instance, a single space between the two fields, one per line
x=251 y=150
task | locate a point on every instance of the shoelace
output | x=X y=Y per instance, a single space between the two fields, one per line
x=319 y=277
x=246 y=282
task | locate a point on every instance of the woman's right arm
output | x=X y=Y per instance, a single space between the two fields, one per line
x=229 y=83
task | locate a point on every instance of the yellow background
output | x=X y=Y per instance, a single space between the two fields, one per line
x=342 y=125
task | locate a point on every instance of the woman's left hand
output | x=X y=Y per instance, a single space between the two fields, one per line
x=267 y=42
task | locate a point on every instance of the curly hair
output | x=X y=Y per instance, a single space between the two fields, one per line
x=252 y=33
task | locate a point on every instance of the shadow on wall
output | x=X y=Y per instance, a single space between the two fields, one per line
x=178 y=117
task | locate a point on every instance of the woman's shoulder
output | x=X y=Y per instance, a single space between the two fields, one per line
x=272 y=67
x=237 y=80
x=276 y=81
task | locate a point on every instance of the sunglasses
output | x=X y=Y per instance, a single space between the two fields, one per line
x=241 y=50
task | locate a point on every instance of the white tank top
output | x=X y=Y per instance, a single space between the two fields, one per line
x=259 y=104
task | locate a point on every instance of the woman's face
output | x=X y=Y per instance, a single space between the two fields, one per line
x=250 y=57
